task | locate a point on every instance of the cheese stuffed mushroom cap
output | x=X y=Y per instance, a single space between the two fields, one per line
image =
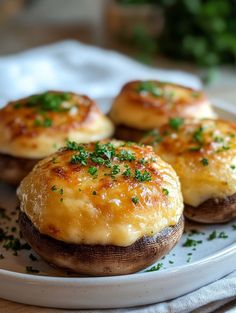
x=143 y=105
x=203 y=153
x=104 y=208
x=34 y=127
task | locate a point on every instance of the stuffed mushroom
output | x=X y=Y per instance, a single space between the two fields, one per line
x=143 y=105
x=203 y=154
x=34 y=127
x=104 y=208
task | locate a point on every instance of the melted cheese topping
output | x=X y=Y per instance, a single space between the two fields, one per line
x=111 y=204
x=28 y=131
x=203 y=153
x=155 y=102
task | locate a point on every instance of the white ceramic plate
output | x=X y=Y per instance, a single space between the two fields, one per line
x=182 y=271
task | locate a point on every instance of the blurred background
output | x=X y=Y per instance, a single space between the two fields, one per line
x=198 y=36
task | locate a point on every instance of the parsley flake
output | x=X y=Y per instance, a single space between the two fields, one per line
x=155 y=267
x=165 y=191
x=145 y=176
x=92 y=170
x=135 y=200
x=150 y=87
x=204 y=162
x=191 y=242
x=126 y=155
x=176 y=123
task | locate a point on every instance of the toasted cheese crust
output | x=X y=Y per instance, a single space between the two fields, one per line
x=37 y=126
x=102 y=193
x=148 y=104
x=203 y=153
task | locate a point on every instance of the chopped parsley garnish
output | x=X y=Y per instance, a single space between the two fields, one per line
x=48 y=101
x=212 y=236
x=92 y=170
x=204 y=162
x=72 y=145
x=15 y=245
x=115 y=170
x=215 y=235
x=194 y=232
x=47 y=122
x=176 y=123
x=127 y=172
x=104 y=150
x=233 y=167
x=150 y=87
x=142 y=161
x=135 y=200
x=145 y=176
x=223 y=235
x=218 y=139
x=126 y=155
x=94 y=193
x=198 y=135
x=165 y=191
x=97 y=160
x=104 y=154
x=189 y=259
x=234 y=226
x=191 y=242
x=54 y=188
x=30 y=269
x=155 y=267
x=81 y=158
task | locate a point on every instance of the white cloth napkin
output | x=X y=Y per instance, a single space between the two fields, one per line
x=98 y=73
x=73 y=66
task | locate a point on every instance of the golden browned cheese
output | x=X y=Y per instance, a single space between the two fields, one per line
x=203 y=153
x=102 y=193
x=36 y=126
x=148 y=104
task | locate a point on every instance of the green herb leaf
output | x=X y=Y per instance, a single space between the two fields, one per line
x=176 y=123
x=191 y=242
x=165 y=191
x=135 y=200
x=204 y=162
x=92 y=170
x=145 y=176
x=198 y=135
x=150 y=87
x=125 y=155
x=155 y=267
